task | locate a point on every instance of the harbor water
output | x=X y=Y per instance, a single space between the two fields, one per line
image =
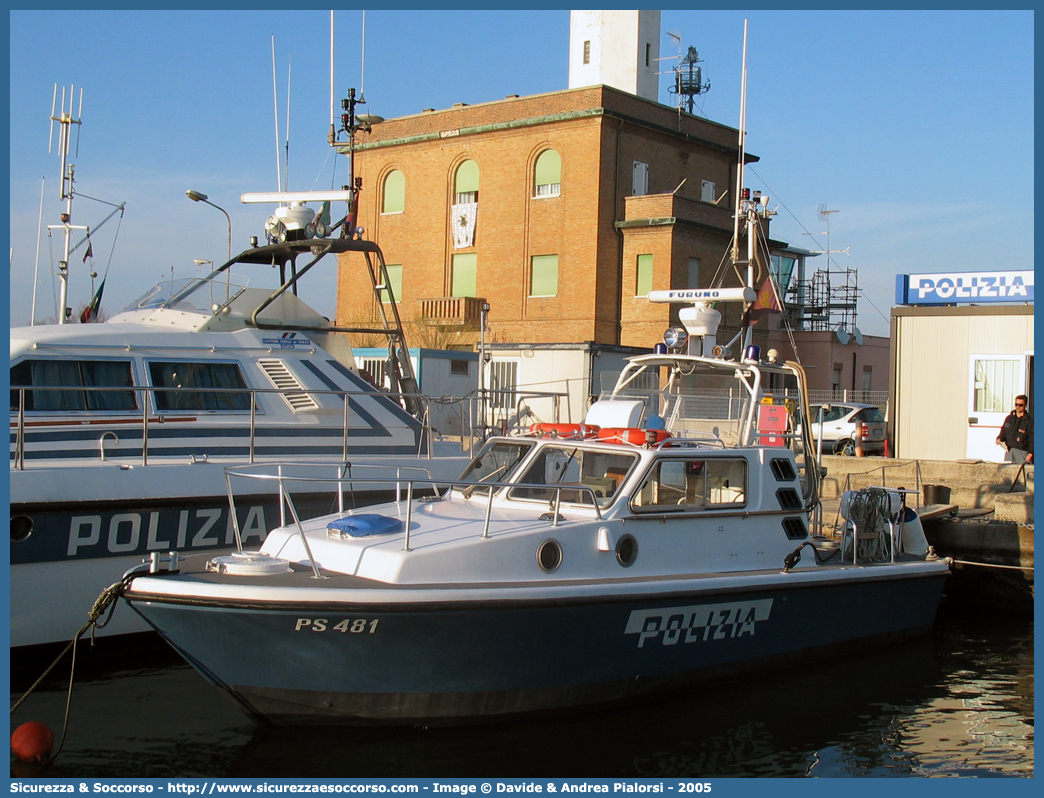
x=956 y=703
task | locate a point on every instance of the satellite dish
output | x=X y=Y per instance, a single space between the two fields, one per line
x=858 y=336
x=842 y=335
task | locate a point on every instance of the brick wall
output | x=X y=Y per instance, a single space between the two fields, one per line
x=592 y=225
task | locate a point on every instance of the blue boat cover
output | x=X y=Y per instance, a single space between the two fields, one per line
x=359 y=526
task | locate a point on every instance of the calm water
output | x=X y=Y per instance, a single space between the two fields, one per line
x=958 y=703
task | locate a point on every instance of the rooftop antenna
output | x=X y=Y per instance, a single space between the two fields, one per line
x=824 y=214
x=688 y=80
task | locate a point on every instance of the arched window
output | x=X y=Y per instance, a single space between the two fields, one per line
x=547 y=175
x=394 y=199
x=466 y=183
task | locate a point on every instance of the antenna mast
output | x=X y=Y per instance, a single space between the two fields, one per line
x=742 y=135
x=65 y=120
x=362 y=68
x=275 y=105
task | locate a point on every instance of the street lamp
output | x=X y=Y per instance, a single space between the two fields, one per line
x=196 y=196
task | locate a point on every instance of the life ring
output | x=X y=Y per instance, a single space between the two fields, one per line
x=633 y=435
x=574 y=431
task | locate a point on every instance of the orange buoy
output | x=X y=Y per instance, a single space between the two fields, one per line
x=32 y=742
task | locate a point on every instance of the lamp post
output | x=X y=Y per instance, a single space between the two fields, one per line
x=196 y=196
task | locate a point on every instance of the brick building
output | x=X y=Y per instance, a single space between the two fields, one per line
x=561 y=210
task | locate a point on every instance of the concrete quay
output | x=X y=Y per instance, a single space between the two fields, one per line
x=973 y=485
x=992 y=548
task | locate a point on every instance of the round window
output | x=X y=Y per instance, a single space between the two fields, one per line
x=549 y=555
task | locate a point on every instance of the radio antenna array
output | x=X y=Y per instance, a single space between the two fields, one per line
x=65 y=120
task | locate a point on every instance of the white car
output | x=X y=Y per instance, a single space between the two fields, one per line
x=840 y=424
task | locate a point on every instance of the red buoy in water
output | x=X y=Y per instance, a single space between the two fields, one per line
x=32 y=742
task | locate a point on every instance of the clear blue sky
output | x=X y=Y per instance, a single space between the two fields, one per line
x=917 y=127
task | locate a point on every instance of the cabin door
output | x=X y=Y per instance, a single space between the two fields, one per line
x=995 y=382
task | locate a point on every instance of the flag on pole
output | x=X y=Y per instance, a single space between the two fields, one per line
x=92 y=309
x=764 y=303
x=89 y=253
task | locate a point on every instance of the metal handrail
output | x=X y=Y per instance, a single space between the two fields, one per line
x=426 y=436
x=285 y=494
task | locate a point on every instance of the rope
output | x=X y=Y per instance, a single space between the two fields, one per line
x=105 y=602
x=870 y=510
x=995 y=565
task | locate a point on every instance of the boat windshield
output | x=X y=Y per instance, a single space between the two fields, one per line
x=204 y=295
x=582 y=472
x=496 y=462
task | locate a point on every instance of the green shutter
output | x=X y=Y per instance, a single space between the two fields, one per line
x=467 y=178
x=394 y=282
x=394 y=193
x=544 y=278
x=548 y=168
x=465 y=268
x=644 y=281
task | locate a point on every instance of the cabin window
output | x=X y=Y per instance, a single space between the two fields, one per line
x=678 y=485
x=460 y=368
x=579 y=472
x=495 y=463
x=84 y=384
x=198 y=386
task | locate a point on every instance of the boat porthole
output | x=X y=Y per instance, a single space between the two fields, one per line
x=626 y=550
x=549 y=555
x=21 y=528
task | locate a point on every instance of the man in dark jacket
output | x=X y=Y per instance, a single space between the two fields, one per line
x=1017 y=432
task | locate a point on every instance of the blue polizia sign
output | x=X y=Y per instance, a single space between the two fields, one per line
x=951 y=288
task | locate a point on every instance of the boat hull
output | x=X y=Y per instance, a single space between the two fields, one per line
x=471 y=659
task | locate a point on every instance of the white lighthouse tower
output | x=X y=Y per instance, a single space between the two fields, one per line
x=615 y=48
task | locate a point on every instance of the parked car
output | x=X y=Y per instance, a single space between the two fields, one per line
x=841 y=422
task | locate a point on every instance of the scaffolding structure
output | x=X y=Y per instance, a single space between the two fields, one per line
x=828 y=301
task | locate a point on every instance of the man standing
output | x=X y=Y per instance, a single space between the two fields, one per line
x=1017 y=432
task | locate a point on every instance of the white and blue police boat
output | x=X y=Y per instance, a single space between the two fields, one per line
x=664 y=541
x=121 y=430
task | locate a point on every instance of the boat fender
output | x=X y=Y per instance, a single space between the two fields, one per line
x=363 y=525
x=912 y=535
